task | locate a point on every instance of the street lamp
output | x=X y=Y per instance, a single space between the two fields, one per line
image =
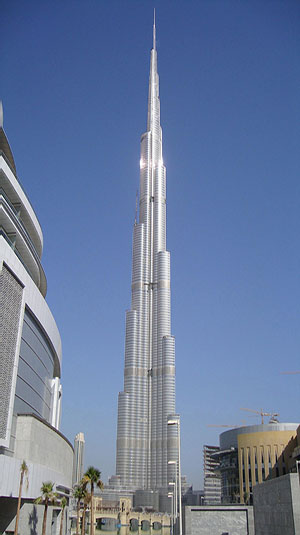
x=175 y=498
x=175 y=511
x=176 y=421
x=176 y=486
x=171 y=495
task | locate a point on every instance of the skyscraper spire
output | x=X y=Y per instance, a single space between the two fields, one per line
x=154 y=32
x=149 y=376
x=153 y=97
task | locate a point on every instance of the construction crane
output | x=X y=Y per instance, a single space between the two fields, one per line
x=224 y=425
x=262 y=413
x=289 y=373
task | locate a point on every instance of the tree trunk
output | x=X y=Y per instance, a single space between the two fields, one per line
x=92 y=508
x=61 y=521
x=45 y=518
x=19 y=503
x=83 y=521
x=77 y=521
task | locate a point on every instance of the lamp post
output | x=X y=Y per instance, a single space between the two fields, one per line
x=176 y=421
x=175 y=509
x=171 y=495
x=175 y=498
x=176 y=486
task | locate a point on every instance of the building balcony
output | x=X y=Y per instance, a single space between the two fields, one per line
x=17 y=198
x=12 y=231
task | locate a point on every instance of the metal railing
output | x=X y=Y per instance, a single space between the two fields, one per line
x=15 y=250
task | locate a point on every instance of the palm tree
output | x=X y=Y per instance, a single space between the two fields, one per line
x=79 y=493
x=23 y=472
x=92 y=478
x=63 y=503
x=246 y=497
x=47 y=497
x=86 y=501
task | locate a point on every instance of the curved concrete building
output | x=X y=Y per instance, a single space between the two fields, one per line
x=251 y=454
x=30 y=346
x=148 y=398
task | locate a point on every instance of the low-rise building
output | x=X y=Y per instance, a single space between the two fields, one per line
x=251 y=454
x=212 y=477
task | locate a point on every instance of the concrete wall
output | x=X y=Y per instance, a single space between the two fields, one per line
x=277 y=506
x=39 y=443
x=218 y=520
x=31 y=518
x=49 y=457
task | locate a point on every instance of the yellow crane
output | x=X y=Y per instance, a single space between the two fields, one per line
x=273 y=415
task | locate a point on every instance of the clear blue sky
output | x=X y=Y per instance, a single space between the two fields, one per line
x=74 y=78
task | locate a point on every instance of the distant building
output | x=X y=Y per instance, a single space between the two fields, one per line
x=30 y=360
x=78 y=458
x=251 y=454
x=193 y=497
x=212 y=477
x=114 y=491
x=184 y=485
x=114 y=482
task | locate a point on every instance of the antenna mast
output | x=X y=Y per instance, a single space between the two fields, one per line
x=154 y=32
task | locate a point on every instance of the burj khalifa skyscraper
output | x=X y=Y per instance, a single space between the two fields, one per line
x=146 y=445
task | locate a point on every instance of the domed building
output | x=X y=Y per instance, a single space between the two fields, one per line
x=252 y=454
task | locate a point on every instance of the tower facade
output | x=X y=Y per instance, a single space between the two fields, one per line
x=78 y=459
x=148 y=398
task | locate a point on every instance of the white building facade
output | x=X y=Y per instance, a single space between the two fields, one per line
x=144 y=443
x=30 y=348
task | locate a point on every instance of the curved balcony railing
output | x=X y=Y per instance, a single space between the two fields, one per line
x=25 y=236
x=18 y=180
x=15 y=250
x=10 y=208
x=13 y=208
